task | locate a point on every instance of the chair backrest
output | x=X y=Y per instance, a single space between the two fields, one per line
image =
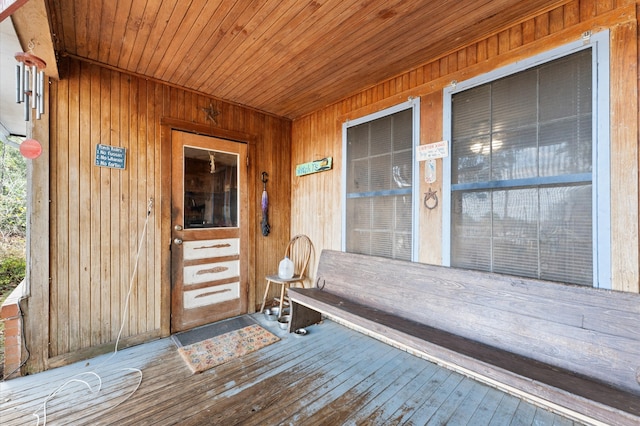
x=299 y=251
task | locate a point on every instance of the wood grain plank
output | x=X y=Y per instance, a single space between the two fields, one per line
x=603 y=6
x=355 y=369
x=504 y=41
x=146 y=47
x=97 y=316
x=228 y=382
x=384 y=412
x=292 y=46
x=234 y=28
x=132 y=27
x=359 y=393
x=109 y=311
x=587 y=9
x=62 y=241
x=469 y=404
x=279 y=382
x=524 y=414
x=115 y=239
x=571 y=13
x=556 y=20
x=139 y=309
x=260 y=401
x=171 y=25
x=125 y=254
x=82 y=27
x=624 y=160
x=118 y=30
x=134 y=103
x=515 y=37
x=53 y=289
x=185 y=36
x=439 y=382
x=153 y=254
x=405 y=382
x=285 y=21
x=505 y=411
x=541 y=26
x=444 y=402
x=391 y=44
x=106 y=30
x=85 y=158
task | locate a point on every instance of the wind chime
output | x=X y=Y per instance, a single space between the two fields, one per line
x=30 y=82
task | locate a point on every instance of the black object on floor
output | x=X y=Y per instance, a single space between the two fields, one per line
x=208 y=331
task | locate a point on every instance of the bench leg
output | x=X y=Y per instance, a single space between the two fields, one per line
x=302 y=316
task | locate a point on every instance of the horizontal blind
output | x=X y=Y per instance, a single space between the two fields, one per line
x=522 y=173
x=379 y=182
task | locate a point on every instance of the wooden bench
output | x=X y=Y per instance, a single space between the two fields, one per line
x=573 y=349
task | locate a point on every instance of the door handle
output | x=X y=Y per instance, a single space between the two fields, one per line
x=178 y=241
x=178 y=227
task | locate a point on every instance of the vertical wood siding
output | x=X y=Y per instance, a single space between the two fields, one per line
x=316 y=198
x=98 y=214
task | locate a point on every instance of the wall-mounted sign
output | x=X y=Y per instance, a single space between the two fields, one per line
x=432 y=151
x=111 y=156
x=314 y=166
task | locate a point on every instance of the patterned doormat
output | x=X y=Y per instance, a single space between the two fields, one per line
x=203 y=355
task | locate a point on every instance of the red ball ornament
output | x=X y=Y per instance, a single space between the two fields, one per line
x=30 y=149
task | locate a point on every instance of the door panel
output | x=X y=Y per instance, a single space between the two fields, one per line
x=209 y=232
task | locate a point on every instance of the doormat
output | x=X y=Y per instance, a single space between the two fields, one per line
x=201 y=356
x=208 y=331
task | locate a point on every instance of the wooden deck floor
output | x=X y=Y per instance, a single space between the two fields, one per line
x=332 y=376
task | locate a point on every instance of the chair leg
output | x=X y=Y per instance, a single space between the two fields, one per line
x=282 y=287
x=264 y=298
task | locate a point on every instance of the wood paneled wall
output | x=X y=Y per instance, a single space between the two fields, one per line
x=98 y=215
x=316 y=200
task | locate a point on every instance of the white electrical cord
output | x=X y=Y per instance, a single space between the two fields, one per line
x=115 y=351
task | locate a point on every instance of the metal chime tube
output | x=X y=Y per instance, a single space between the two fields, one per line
x=39 y=96
x=26 y=82
x=42 y=82
x=17 y=83
x=34 y=85
x=20 y=83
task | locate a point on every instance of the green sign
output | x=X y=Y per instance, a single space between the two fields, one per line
x=314 y=166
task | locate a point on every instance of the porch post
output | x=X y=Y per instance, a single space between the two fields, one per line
x=36 y=316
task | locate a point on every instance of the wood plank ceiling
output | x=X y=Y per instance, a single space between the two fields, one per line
x=284 y=57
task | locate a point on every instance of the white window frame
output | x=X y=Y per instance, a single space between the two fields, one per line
x=414 y=104
x=601 y=145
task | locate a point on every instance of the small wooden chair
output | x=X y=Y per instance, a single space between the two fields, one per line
x=299 y=251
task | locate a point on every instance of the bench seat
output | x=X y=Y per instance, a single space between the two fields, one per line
x=585 y=398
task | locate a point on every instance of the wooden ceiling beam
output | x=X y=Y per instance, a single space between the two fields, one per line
x=31 y=22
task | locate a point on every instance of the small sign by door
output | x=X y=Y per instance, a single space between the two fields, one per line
x=111 y=156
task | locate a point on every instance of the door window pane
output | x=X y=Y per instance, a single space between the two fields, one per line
x=210 y=189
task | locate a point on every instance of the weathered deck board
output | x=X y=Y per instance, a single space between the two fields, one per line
x=333 y=376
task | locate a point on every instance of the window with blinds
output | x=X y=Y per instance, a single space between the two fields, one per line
x=379 y=186
x=521 y=173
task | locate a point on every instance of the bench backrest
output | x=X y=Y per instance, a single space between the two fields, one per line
x=589 y=331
